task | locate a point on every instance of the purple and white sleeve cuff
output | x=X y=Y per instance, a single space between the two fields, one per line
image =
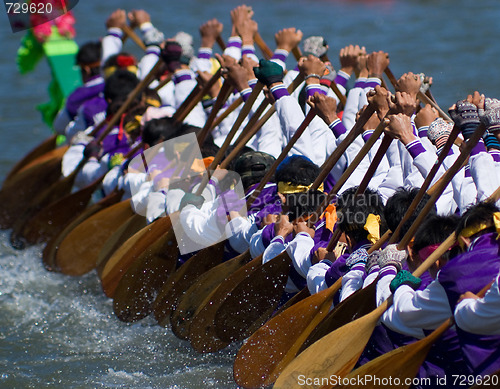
x=388 y=271
x=342 y=78
x=337 y=127
x=248 y=50
x=234 y=41
x=422 y=131
x=311 y=89
x=372 y=82
x=182 y=75
x=367 y=134
x=415 y=148
x=116 y=32
x=278 y=239
x=245 y=93
x=205 y=53
x=495 y=154
x=153 y=50
x=252 y=82
x=280 y=55
x=279 y=91
x=478 y=148
x=360 y=83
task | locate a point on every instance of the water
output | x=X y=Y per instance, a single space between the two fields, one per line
x=57 y=331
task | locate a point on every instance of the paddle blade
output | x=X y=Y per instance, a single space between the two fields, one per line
x=356 y=305
x=183 y=278
x=399 y=365
x=77 y=253
x=266 y=353
x=50 y=250
x=258 y=293
x=129 y=251
x=334 y=354
x=23 y=186
x=46 y=146
x=138 y=288
x=51 y=219
x=189 y=303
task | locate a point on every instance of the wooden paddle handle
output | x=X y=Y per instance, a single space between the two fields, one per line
x=384 y=146
x=128 y=31
x=342 y=147
x=447 y=177
x=307 y=120
x=266 y=51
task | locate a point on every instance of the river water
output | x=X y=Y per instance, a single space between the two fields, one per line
x=58 y=331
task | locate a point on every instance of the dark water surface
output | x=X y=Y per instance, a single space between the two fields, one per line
x=57 y=331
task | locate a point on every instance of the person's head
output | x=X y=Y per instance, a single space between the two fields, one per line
x=294 y=176
x=159 y=130
x=119 y=85
x=398 y=204
x=360 y=216
x=431 y=233
x=120 y=61
x=252 y=166
x=88 y=59
x=476 y=221
x=186 y=41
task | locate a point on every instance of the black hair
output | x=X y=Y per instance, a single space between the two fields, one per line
x=304 y=203
x=88 y=54
x=209 y=148
x=159 y=130
x=434 y=230
x=152 y=95
x=298 y=170
x=353 y=210
x=398 y=204
x=120 y=84
x=477 y=214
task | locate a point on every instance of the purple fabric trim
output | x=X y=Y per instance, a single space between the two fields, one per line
x=372 y=83
x=467 y=172
x=415 y=148
x=115 y=35
x=388 y=271
x=339 y=268
x=92 y=108
x=313 y=88
x=245 y=94
x=234 y=42
x=341 y=79
x=248 y=50
x=152 y=51
x=82 y=94
x=112 y=145
x=374 y=269
x=422 y=131
x=495 y=155
x=279 y=55
x=338 y=128
x=359 y=266
x=367 y=134
x=478 y=148
x=182 y=77
x=360 y=83
x=204 y=53
x=279 y=91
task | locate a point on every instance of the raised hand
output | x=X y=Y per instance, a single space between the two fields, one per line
x=379 y=98
x=209 y=31
x=348 y=57
x=399 y=127
x=409 y=83
x=312 y=65
x=117 y=19
x=377 y=62
x=283 y=227
x=138 y=17
x=237 y=75
x=426 y=116
x=326 y=107
x=288 y=38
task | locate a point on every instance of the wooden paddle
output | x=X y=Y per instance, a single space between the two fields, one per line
x=52 y=247
x=23 y=186
x=266 y=51
x=129 y=251
x=259 y=361
x=57 y=153
x=338 y=356
x=230 y=325
x=194 y=296
x=404 y=362
x=78 y=250
x=47 y=145
x=137 y=292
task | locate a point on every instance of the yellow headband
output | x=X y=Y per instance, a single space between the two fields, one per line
x=288 y=187
x=473 y=230
x=111 y=69
x=372 y=225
